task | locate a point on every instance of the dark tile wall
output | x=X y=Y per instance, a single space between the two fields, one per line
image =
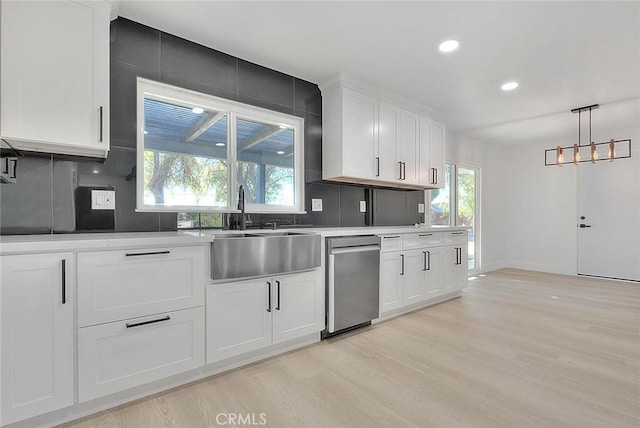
x=45 y=198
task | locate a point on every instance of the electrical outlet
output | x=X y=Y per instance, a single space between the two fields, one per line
x=103 y=200
x=363 y=206
x=420 y=208
x=316 y=204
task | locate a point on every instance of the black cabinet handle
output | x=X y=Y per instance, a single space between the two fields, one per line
x=457 y=233
x=64 y=281
x=425 y=234
x=402 y=266
x=433 y=176
x=152 y=253
x=400 y=170
x=101 y=123
x=391 y=237
x=269 y=284
x=582 y=225
x=138 y=324
x=14 y=169
x=428 y=260
x=278 y=301
x=435 y=179
x=377 y=167
x=424 y=261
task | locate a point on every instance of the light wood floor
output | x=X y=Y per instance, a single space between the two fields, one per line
x=518 y=349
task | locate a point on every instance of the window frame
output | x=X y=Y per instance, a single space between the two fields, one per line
x=155 y=90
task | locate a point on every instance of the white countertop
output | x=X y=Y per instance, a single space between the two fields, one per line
x=20 y=244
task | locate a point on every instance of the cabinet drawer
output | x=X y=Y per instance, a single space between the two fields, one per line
x=117 y=285
x=454 y=237
x=117 y=356
x=391 y=243
x=421 y=240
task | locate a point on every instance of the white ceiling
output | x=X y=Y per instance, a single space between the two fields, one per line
x=564 y=54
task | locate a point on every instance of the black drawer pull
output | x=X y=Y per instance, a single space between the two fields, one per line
x=457 y=233
x=426 y=234
x=152 y=253
x=390 y=237
x=138 y=324
x=64 y=281
x=101 y=123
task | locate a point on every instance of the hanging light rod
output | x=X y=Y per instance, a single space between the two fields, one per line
x=616 y=149
x=585 y=108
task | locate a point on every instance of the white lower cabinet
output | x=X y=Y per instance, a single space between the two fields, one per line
x=120 y=355
x=455 y=270
x=248 y=315
x=410 y=274
x=36 y=335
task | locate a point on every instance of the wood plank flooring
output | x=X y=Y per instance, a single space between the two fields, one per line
x=519 y=349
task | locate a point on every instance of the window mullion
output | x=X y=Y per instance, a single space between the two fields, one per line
x=232 y=181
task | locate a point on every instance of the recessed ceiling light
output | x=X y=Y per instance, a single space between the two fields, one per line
x=197 y=110
x=509 y=86
x=280 y=152
x=220 y=144
x=449 y=45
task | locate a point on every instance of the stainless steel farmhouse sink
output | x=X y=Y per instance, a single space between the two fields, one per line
x=263 y=253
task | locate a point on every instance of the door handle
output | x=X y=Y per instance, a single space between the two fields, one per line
x=428 y=260
x=101 y=123
x=434 y=173
x=582 y=225
x=278 y=300
x=269 y=284
x=424 y=261
x=404 y=170
x=402 y=264
x=377 y=167
x=400 y=170
x=150 y=253
x=64 y=281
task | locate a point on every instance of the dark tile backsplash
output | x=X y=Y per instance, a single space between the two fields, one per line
x=45 y=198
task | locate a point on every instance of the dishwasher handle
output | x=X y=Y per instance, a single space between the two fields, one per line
x=360 y=249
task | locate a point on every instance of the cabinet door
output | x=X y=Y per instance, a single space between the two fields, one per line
x=36 y=334
x=436 y=155
x=432 y=280
x=414 y=266
x=390 y=281
x=298 y=307
x=455 y=271
x=238 y=317
x=359 y=139
x=388 y=140
x=124 y=354
x=54 y=79
x=408 y=152
x=427 y=176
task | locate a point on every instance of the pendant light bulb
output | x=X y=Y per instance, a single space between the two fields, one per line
x=576 y=154
x=612 y=149
x=594 y=153
x=559 y=156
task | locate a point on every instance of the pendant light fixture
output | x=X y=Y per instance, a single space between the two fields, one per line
x=556 y=156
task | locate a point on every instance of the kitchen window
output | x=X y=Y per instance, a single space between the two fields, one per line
x=195 y=150
x=456 y=204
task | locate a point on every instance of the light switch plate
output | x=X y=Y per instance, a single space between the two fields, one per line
x=316 y=204
x=421 y=208
x=103 y=200
x=363 y=206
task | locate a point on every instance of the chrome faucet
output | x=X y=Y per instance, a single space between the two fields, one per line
x=243 y=222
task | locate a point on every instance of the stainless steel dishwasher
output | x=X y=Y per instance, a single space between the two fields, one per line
x=353 y=289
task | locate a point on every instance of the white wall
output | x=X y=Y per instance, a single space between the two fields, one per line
x=493 y=188
x=528 y=212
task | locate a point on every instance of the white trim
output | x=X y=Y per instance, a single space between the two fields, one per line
x=163 y=92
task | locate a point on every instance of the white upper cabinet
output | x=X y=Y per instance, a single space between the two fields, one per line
x=351 y=154
x=369 y=140
x=55 y=76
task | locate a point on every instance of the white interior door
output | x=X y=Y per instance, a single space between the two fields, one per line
x=609 y=219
